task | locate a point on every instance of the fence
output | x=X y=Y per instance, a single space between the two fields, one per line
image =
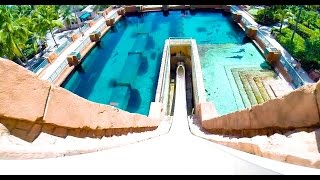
x=41 y=65
x=297 y=80
x=58 y=71
x=245 y=22
x=101 y=27
x=83 y=45
x=165 y=74
x=62 y=47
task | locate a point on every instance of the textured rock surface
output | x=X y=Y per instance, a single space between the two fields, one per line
x=296 y=109
x=295 y=147
x=69 y=110
x=22 y=94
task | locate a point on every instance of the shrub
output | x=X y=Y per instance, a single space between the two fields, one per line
x=265 y=17
x=297 y=48
x=302 y=30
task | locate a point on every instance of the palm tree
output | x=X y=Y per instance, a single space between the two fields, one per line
x=282 y=13
x=13 y=34
x=67 y=14
x=46 y=18
x=97 y=8
x=297 y=20
x=75 y=8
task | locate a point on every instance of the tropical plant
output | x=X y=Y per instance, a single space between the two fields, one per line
x=297 y=20
x=266 y=16
x=46 y=18
x=13 y=34
x=282 y=13
x=67 y=15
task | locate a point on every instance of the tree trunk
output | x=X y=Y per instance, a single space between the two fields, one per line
x=281 y=25
x=53 y=37
x=19 y=61
x=24 y=57
x=295 y=28
x=78 y=23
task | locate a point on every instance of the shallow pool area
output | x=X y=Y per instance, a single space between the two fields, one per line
x=233 y=76
x=123 y=69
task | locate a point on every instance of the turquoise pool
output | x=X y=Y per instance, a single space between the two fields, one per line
x=123 y=70
x=218 y=62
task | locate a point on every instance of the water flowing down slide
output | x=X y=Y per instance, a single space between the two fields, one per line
x=180 y=123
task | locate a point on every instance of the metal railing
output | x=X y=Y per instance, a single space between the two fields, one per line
x=62 y=47
x=85 y=28
x=41 y=65
x=264 y=39
x=245 y=21
x=234 y=8
x=297 y=79
x=82 y=45
x=58 y=71
x=102 y=25
x=167 y=60
x=97 y=18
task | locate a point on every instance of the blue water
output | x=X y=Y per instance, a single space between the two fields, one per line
x=123 y=70
x=217 y=61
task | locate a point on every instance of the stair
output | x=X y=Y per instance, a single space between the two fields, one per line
x=250 y=82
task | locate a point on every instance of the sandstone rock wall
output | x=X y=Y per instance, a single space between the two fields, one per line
x=29 y=106
x=298 y=109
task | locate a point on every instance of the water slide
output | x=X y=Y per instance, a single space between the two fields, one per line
x=178 y=152
x=180 y=124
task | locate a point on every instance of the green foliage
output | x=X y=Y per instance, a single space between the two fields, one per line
x=266 y=16
x=306 y=51
x=302 y=30
x=20 y=23
x=296 y=48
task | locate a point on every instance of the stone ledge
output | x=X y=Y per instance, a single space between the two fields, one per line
x=23 y=95
x=69 y=110
x=47 y=108
x=298 y=109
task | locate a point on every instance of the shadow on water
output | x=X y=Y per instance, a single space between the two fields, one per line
x=150 y=43
x=134 y=101
x=94 y=61
x=112 y=83
x=201 y=29
x=143 y=66
x=265 y=65
x=165 y=13
x=153 y=55
x=80 y=69
x=245 y=40
x=192 y=12
x=100 y=45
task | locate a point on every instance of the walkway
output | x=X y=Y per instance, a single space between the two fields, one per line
x=52 y=68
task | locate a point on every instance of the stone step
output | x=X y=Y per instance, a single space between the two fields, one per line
x=247 y=79
x=261 y=88
x=248 y=89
